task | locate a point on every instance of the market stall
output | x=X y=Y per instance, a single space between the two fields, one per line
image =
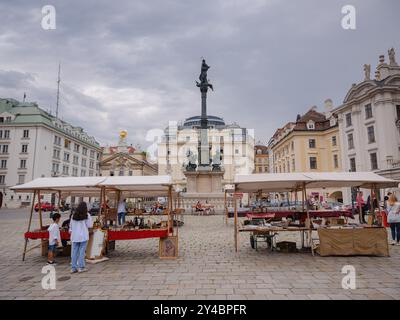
x=62 y=187
x=139 y=228
x=114 y=188
x=299 y=182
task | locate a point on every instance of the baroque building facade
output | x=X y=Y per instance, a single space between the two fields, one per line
x=310 y=144
x=261 y=158
x=125 y=160
x=369 y=121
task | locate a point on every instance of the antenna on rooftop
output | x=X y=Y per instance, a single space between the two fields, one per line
x=58 y=88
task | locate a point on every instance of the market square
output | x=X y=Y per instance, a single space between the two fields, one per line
x=208 y=151
x=207 y=268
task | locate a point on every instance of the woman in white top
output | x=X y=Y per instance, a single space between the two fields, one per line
x=79 y=229
x=393 y=209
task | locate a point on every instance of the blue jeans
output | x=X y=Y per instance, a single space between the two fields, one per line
x=395 y=228
x=78 y=255
x=121 y=218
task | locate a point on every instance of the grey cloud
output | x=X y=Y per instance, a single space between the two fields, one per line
x=132 y=64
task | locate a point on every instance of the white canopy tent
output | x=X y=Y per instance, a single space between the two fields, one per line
x=285 y=182
x=139 y=185
x=61 y=184
x=281 y=182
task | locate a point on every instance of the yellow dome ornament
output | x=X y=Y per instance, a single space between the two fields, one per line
x=123 y=134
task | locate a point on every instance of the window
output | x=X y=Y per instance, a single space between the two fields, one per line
x=83 y=173
x=65 y=170
x=25 y=134
x=21 y=179
x=66 y=156
x=91 y=153
x=397 y=112
x=4 y=148
x=368 y=111
x=293 y=165
x=83 y=162
x=292 y=145
x=74 y=172
x=130 y=172
x=5 y=134
x=2 y=179
x=76 y=160
x=91 y=164
x=111 y=173
x=56 y=154
x=311 y=125
x=121 y=172
x=24 y=148
x=311 y=143
x=335 y=161
x=374 y=161
x=348 y=120
x=353 y=165
x=84 y=151
x=22 y=164
x=76 y=147
x=313 y=163
x=350 y=141
x=334 y=141
x=67 y=144
x=55 y=168
x=3 y=164
x=371 y=134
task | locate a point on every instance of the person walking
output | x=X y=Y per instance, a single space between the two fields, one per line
x=393 y=209
x=79 y=229
x=121 y=212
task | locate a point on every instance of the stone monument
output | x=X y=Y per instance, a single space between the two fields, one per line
x=204 y=179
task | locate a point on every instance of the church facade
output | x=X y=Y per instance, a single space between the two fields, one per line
x=124 y=160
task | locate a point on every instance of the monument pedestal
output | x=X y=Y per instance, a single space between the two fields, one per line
x=204 y=181
x=204 y=185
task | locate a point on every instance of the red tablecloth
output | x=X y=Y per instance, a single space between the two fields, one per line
x=44 y=235
x=112 y=235
x=136 y=234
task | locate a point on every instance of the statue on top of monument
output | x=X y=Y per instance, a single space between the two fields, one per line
x=203 y=84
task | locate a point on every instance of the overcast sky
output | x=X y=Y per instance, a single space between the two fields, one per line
x=133 y=64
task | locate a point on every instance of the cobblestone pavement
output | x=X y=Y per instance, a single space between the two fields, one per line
x=207 y=268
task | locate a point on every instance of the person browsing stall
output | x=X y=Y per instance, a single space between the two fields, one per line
x=79 y=228
x=54 y=238
x=121 y=211
x=393 y=209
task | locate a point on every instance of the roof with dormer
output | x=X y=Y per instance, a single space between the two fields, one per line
x=29 y=113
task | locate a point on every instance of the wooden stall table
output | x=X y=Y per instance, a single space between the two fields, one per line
x=259 y=230
x=368 y=241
